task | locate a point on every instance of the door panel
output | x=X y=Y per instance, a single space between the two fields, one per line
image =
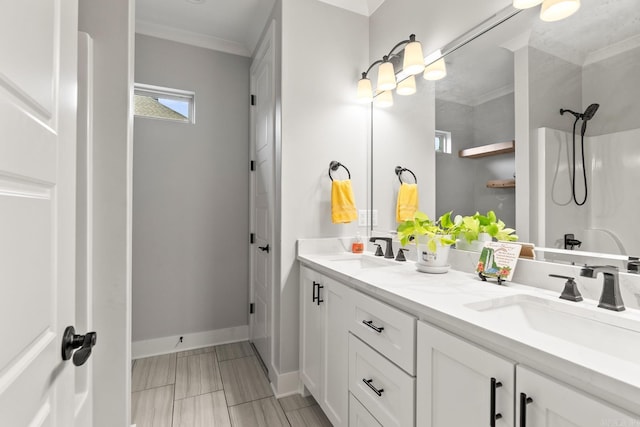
x=262 y=197
x=38 y=99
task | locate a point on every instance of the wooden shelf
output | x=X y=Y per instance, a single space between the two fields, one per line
x=502 y=183
x=488 y=150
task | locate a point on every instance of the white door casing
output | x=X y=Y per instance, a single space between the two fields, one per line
x=38 y=99
x=262 y=142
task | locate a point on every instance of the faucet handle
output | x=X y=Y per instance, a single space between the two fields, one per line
x=570 y=291
x=400 y=256
x=378 y=250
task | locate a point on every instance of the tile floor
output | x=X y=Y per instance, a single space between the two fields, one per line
x=223 y=385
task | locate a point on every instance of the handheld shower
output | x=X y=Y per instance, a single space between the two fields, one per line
x=585 y=117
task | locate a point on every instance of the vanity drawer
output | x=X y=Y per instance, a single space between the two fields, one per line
x=390 y=331
x=359 y=416
x=385 y=390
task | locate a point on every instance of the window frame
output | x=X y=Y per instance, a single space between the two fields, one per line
x=447 y=148
x=167 y=93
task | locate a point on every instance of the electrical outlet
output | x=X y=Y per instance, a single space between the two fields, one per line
x=365 y=214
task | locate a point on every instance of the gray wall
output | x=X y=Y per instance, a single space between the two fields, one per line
x=190 y=195
x=613 y=83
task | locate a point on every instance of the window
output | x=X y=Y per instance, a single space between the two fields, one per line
x=443 y=142
x=164 y=103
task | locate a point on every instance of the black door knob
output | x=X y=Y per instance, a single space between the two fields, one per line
x=264 y=248
x=71 y=342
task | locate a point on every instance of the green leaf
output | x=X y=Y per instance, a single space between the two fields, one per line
x=491 y=215
x=492 y=229
x=431 y=245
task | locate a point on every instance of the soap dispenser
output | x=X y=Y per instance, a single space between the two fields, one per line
x=357 y=246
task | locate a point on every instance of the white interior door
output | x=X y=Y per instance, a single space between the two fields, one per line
x=262 y=198
x=38 y=98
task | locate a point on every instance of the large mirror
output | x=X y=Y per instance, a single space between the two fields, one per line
x=506 y=88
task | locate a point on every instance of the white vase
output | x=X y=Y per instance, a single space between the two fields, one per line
x=474 y=245
x=430 y=260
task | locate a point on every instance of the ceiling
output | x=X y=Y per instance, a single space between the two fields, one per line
x=232 y=26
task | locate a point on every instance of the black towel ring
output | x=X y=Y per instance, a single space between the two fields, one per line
x=334 y=165
x=400 y=169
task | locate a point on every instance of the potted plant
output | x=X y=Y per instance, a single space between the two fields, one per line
x=478 y=229
x=433 y=239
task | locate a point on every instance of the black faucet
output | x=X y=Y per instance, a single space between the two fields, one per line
x=388 y=252
x=570 y=241
x=611 y=299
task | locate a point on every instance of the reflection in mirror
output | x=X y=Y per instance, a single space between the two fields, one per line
x=525 y=71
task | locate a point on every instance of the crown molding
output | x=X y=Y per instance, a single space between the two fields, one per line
x=191 y=38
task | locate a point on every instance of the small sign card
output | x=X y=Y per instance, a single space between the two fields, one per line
x=498 y=260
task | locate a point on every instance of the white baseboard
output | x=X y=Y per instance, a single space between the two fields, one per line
x=285 y=384
x=165 y=345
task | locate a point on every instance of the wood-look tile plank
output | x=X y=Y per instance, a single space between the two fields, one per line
x=153 y=372
x=311 y=416
x=197 y=375
x=244 y=380
x=153 y=407
x=258 y=413
x=205 y=410
x=196 y=351
x=234 y=350
x=296 y=401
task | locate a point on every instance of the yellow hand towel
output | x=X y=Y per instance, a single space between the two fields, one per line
x=343 y=207
x=407 y=202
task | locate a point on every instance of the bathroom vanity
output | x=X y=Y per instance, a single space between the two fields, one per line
x=384 y=345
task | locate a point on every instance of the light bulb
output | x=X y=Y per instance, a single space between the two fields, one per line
x=555 y=10
x=365 y=92
x=407 y=86
x=413 y=62
x=384 y=99
x=435 y=71
x=386 y=77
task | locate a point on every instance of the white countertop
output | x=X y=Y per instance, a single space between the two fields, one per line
x=442 y=299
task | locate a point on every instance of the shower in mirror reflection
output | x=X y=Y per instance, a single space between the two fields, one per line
x=585 y=117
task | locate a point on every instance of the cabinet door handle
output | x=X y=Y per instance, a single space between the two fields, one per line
x=318 y=299
x=375 y=390
x=313 y=296
x=492 y=411
x=370 y=324
x=524 y=401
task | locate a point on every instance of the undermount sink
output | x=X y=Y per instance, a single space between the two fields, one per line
x=356 y=261
x=590 y=327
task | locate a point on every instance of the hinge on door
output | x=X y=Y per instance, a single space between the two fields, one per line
x=251 y=308
x=252 y=165
x=252 y=238
x=253 y=100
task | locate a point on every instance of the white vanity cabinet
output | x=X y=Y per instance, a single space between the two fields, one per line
x=543 y=402
x=324 y=343
x=460 y=384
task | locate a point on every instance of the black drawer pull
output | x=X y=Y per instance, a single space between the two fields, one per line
x=314 y=297
x=524 y=401
x=375 y=390
x=318 y=299
x=370 y=324
x=492 y=410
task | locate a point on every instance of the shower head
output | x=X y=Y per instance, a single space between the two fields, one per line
x=590 y=112
x=588 y=115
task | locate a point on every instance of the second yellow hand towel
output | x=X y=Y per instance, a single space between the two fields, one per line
x=343 y=206
x=407 y=202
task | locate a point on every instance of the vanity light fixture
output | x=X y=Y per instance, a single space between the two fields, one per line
x=437 y=69
x=412 y=64
x=407 y=86
x=384 y=99
x=551 y=10
x=555 y=10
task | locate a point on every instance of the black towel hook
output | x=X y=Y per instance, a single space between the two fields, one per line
x=400 y=169
x=334 y=165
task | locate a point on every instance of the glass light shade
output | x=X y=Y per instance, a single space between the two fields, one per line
x=435 y=71
x=365 y=92
x=386 y=77
x=555 y=10
x=407 y=86
x=384 y=99
x=413 y=62
x=525 y=4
